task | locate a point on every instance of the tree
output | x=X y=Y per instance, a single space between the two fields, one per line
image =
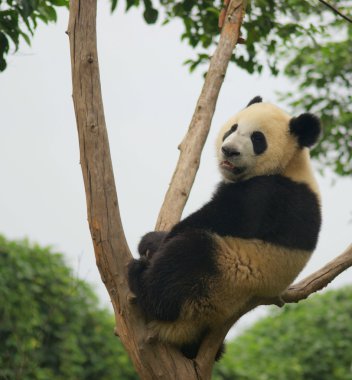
x=308 y=341
x=50 y=324
x=152 y=359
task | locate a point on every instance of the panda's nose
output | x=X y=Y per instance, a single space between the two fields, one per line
x=229 y=152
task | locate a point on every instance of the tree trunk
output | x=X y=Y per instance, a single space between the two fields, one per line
x=151 y=359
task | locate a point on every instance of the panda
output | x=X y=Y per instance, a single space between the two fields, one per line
x=250 y=240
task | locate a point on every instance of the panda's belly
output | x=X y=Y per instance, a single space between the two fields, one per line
x=249 y=268
x=246 y=269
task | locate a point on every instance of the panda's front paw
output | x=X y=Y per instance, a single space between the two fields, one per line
x=135 y=271
x=150 y=243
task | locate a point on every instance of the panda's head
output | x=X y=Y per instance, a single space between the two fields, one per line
x=262 y=139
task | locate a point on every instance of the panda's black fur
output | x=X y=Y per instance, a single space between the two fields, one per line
x=178 y=268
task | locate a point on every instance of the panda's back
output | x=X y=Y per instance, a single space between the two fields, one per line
x=273 y=209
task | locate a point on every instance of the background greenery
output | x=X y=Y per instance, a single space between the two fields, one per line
x=311 y=340
x=51 y=327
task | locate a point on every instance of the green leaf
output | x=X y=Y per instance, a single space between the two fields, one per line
x=48 y=13
x=60 y=3
x=113 y=5
x=131 y=3
x=25 y=37
x=2 y=63
x=150 y=15
x=4 y=43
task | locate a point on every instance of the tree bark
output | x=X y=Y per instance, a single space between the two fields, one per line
x=152 y=360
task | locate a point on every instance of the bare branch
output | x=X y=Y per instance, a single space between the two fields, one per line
x=192 y=145
x=319 y=279
x=105 y=225
x=335 y=10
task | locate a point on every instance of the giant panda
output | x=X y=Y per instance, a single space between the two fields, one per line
x=250 y=240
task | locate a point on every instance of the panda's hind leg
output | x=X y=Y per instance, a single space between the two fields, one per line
x=190 y=350
x=175 y=282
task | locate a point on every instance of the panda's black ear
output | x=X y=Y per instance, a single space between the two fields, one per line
x=306 y=128
x=257 y=99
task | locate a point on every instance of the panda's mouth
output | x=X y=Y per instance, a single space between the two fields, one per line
x=229 y=166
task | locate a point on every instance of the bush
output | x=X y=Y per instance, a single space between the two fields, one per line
x=308 y=341
x=50 y=324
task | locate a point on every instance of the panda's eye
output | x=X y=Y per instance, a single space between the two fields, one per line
x=257 y=136
x=259 y=142
x=234 y=128
x=231 y=130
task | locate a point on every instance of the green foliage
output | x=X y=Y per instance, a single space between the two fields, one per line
x=304 y=40
x=307 y=341
x=50 y=324
x=324 y=75
x=19 y=18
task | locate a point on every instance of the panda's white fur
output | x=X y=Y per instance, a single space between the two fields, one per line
x=211 y=263
x=286 y=157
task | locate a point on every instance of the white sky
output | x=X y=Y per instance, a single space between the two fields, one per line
x=149 y=98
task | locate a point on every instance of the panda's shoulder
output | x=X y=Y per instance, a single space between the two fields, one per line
x=263 y=187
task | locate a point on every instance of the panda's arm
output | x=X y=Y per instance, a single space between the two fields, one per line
x=150 y=243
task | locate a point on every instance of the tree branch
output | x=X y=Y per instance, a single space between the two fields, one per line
x=192 y=145
x=319 y=279
x=110 y=246
x=335 y=10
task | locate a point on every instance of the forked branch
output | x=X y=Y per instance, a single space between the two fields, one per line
x=152 y=360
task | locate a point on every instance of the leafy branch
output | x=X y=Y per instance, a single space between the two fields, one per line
x=20 y=19
x=335 y=10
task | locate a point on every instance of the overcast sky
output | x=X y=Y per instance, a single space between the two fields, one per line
x=149 y=97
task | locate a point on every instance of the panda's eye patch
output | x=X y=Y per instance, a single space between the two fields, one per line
x=231 y=130
x=259 y=142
